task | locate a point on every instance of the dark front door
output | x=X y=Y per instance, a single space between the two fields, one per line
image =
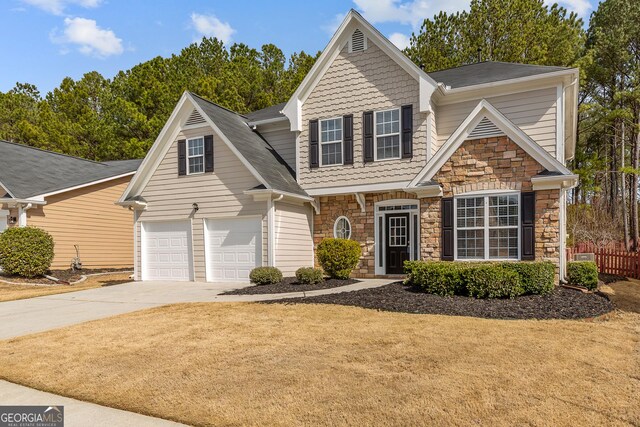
x=397 y=238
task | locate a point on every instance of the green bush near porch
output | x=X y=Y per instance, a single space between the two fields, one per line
x=583 y=273
x=26 y=251
x=338 y=257
x=481 y=279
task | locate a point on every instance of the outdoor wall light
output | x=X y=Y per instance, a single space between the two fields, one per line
x=195 y=207
x=12 y=220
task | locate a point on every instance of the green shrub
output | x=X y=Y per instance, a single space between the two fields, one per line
x=583 y=273
x=537 y=278
x=26 y=251
x=265 y=275
x=309 y=276
x=436 y=277
x=338 y=257
x=492 y=281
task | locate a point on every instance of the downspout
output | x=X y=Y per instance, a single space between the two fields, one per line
x=22 y=214
x=563 y=234
x=271 y=232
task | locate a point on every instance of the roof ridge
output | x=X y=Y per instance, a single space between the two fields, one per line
x=18 y=144
x=218 y=105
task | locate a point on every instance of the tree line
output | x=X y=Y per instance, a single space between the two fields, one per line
x=119 y=118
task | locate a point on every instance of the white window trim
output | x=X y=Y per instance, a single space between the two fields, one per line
x=335 y=227
x=341 y=141
x=375 y=135
x=486 y=228
x=379 y=234
x=193 y=157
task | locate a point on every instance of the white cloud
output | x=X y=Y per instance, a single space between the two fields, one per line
x=57 y=7
x=400 y=40
x=211 y=26
x=581 y=7
x=331 y=26
x=89 y=38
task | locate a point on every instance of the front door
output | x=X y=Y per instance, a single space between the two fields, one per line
x=397 y=239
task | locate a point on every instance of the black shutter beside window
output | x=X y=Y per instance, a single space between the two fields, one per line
x=367 y=136
x=407 y=131
x=347 y=143
x=182 y=157
x=527 y=226
x=208 y=153
x=446 y=253
x=313 y=144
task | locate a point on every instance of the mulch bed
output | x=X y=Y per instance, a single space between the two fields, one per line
x=289 y=284
x=63 y=275
x=563 y=303
x=610 y=278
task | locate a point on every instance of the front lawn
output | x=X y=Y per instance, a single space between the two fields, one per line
x=10 y=292
x=306 y=364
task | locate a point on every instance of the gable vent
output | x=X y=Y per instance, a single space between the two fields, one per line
x=358 y=42
x=485 y=129
x=194 y=119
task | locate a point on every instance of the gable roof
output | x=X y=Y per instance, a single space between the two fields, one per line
x=489 y=72
x=265 y=115
x=483 y=110
x=257 y=155
x=28 y=172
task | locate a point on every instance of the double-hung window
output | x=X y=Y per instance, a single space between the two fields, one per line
x=195 y=155
x=331 y=141
x=488 y=227
x=388 y=134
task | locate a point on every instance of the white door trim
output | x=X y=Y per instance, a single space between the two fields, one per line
x=379 y=235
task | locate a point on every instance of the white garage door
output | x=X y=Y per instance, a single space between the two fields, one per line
x=234 y=248
x=166 y=251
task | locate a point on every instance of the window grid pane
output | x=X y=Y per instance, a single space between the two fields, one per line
x=388 y=147
x=388 y=134
x=195 y=155
x=331 y=141
x=332 y=154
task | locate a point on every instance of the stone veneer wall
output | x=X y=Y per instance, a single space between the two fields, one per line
x=483 y=164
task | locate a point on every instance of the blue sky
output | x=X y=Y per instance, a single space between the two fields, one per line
x=44 y=41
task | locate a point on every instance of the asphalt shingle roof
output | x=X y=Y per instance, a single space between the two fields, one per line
x=272 y=112
x=488 y=72
x=253 y=147
x=27 y=172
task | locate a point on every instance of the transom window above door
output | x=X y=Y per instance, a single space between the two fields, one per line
x=488 y=227
x=331 y=141
x=195 y=155
x=388 y=134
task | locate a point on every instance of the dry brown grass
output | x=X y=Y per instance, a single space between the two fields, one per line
x=254 y=364
x=13 y=292
x=626 y=295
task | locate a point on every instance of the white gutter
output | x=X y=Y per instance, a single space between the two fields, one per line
x=554 y=182
x=268 y=121
x=269 y=192
x=15 y=202
x=447 y=90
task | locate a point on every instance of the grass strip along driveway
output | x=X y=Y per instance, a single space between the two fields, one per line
x=277 y=364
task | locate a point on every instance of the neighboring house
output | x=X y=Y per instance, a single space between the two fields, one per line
x=71 y=198
x=462 y=164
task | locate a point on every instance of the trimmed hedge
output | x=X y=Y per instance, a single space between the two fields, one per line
x=26 y=251
x=338 y=257
x=583 y=273
x=481 y=279
x=265 y=276
x=309 y=276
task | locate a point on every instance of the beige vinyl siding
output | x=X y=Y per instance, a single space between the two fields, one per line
x=534 y=112
x=282 y=140
x=355 y=83
x=219 y=194
x=89 y=218
x=294 y=241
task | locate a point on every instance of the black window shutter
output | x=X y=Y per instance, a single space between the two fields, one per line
x=347 y=142
x=527 y=226
x=367 y=136
x=313 y=144
x=407 y=131
x=208 y=153
x=182 y=157
x=447 y=229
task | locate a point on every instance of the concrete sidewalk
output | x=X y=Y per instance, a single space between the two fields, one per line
x=76 y=412
x=33 y=315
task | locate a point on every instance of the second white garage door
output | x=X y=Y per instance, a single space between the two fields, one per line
x=234 y=248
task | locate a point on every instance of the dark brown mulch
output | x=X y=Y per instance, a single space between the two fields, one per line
x=610 y=278
x=63 y=275
x=289 y=284
x=563 y=303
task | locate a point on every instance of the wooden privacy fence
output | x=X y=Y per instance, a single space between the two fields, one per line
x=611 y=260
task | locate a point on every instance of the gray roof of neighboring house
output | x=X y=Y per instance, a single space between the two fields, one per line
x=268 y=113
x=28 y=172
x=488 y=72
x=253 y=147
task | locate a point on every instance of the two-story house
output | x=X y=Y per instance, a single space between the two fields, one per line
x=461 y=164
